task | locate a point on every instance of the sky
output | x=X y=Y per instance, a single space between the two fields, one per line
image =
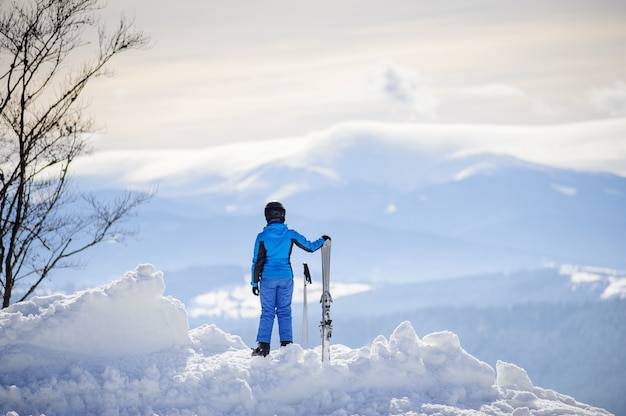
x=219 y=72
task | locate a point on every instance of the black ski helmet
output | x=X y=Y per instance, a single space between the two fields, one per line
x=274 y=211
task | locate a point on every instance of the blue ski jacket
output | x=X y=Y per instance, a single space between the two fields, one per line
x=272 y=251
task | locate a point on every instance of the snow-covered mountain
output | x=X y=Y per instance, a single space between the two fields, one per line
x=447 y=227
x=124 y=349
x=402 y=202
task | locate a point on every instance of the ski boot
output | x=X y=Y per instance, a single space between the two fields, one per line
x=261 y=350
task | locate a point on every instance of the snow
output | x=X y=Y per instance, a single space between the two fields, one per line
x=613 y=281
x=125 y=349
x=615 y=289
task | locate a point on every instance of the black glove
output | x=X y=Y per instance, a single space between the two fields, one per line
x=325 y=237
x=255 y=290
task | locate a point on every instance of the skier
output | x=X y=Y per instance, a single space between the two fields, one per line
x=272 y=276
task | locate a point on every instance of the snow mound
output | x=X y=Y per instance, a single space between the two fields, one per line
x=124 y=349
x=126 y=317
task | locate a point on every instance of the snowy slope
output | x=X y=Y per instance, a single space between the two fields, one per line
x=123 y=348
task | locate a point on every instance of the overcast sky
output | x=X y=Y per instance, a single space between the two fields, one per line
x=225 y=71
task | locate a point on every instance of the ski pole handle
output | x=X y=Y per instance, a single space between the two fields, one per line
x=307 y=273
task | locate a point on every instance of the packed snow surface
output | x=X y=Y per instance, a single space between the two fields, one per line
x=125 y=349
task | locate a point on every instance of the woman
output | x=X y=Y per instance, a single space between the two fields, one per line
x=272 y=276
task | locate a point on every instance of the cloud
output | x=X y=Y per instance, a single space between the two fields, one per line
x=404 y=87
x=340 y=153
x=287 y=190
x=220 y=72
x=395 y=83
x=565 y=190
x=610 y=100
x=391 y=208
x=492 y=90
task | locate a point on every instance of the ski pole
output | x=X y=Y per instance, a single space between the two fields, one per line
x=305 y=310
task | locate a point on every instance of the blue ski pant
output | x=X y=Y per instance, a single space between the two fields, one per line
x=275 y=297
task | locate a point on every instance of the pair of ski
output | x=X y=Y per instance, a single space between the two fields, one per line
x=326 y=327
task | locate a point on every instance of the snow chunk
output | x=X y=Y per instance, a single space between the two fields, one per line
x=125 y=317
x=520 y=397
x=437 y=360
x=512 y=376
x=212 y=340
x=452 y=365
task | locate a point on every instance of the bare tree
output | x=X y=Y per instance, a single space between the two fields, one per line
x=45 y=222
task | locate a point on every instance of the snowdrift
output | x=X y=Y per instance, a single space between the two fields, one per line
x=125 y=349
